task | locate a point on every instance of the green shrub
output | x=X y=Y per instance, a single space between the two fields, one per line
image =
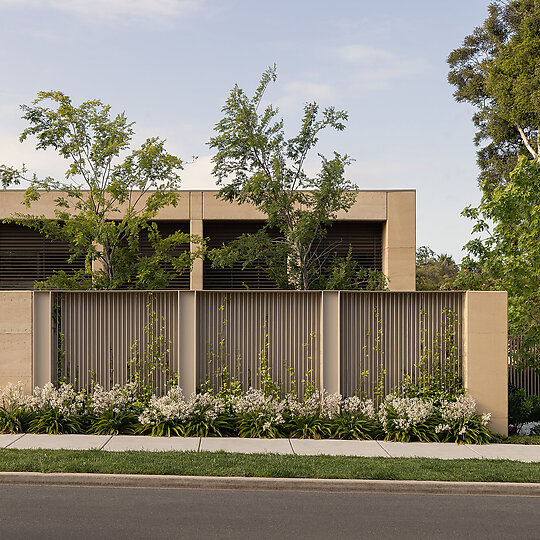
x=356 y=426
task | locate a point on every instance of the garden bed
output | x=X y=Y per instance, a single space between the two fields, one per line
x=130 y=409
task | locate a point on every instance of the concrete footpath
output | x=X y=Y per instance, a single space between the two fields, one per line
x=304 y=447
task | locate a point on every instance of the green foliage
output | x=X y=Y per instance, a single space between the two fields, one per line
x=438 y=368
x=495 y=70
x=146 y=367
x=507 y=254
x=111 y=422
x=522 y=408
x=256 y=164
x=355 y=426
x=163 y=428
x=397 y=432
x=106 y=202
x=345 y=273
x=309 y=426
x=15 y=420
x=202 y=424
x=470 y=431
x=434 y=272
x=258 y=424
x=52 y=421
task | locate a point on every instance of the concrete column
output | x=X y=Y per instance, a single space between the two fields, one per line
x=196 y=228
x=97 y=265
x=399 y=241
x=485 y=354
x=187 y=341
x=16 y=338
x=43 y=338
x=330 y=341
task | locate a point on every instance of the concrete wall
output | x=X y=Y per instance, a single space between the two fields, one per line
x=485 y=354
x=399 y=241
x=16 y=337
x=26 y=343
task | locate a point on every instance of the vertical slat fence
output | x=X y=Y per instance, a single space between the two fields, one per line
x=384 y=336
x=388 y=335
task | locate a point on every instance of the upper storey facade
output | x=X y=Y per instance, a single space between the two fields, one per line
x=380 y=228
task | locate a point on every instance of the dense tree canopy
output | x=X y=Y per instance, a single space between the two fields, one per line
x=108 y=197
x=434 y=271
x=506 y=254
x=497 y=70
x=256 y=164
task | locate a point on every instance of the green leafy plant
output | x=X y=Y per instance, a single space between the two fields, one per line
x=146 y=367
x=308 y=427
x=256 y=163
x=107 y=199
x=53 y=421
x=438 y=369
x=355 y=426
x=111 y=422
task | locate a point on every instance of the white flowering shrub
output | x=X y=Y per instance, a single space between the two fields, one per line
x=355 y=405
x=13 y=396
x=405 y=418
x=117 y=400
x=311 y=418
x=318 y=403
x=113 y=411
x=254 y=413
x=459 y=421
x=258 y=414
x=57 y=409
x=358 y=420
x=199 y=416
x=64 y=399
x=15 y=412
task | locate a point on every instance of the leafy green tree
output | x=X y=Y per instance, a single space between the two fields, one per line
x=256 y=164
x=506 y=255
x=434 y=272
x=497 y=71
x=108 y=197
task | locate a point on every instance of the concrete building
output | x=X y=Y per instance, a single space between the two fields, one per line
x=380 y=228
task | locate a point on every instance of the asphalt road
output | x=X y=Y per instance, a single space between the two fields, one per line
x=89 y=512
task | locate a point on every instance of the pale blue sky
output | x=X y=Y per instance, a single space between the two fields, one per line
x=171 y=63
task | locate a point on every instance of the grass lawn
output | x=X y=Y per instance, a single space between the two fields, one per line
x=264 y=465
x=520 y=439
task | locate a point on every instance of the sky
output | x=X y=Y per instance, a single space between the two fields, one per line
x=170 y=65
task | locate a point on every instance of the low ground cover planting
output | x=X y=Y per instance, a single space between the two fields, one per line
x=267 y=465
x=232 y=412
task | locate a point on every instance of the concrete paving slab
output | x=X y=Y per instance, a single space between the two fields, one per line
x=245 y=446
x=7 y=438
x=120 y=443
x=516 y=452
x=56 y=442
x=428 y=450
x=331 y=447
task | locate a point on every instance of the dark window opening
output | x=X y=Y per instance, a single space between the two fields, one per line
x=27 y=256
x=363 y=238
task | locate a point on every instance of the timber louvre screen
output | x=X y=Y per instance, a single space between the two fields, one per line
x=99 y=332
x=387 y=331
x=526 y=378
x=238 y=330
x=391 y=331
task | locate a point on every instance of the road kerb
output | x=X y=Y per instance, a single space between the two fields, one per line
x=269 y=484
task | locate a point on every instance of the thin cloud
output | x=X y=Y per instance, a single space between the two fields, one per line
x=198 y=174
x=150 y=10
x=378 y=68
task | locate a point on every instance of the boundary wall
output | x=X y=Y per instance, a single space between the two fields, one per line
x=342 y=341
